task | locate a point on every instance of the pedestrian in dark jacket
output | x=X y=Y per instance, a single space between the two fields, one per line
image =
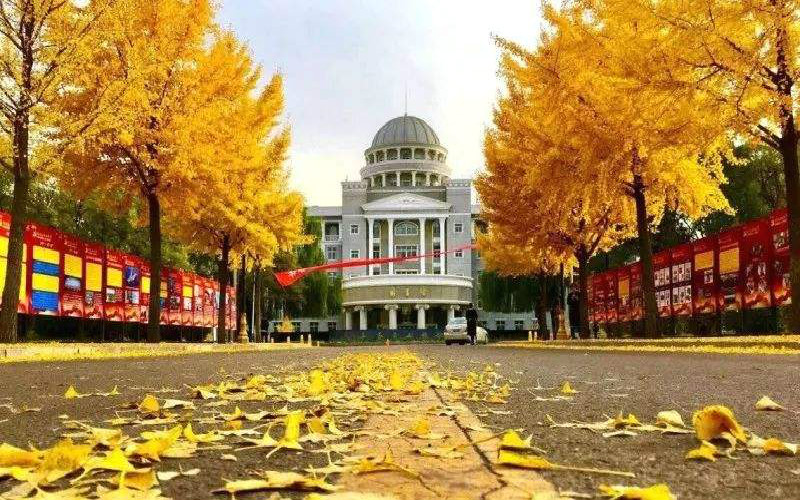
x=472 y=324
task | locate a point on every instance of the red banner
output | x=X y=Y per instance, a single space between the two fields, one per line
x=132 y=282
x=72 y=276
x=681 y=257
x=781 y=283
x=636 y=292
x=704 y=275
x=144 y=293
x=663 y=283
x=624 y=294
x=114 y=286
x=729 y=265
x=756 y=263
x=187 y=299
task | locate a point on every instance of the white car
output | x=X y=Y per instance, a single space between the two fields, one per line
x=456 y=332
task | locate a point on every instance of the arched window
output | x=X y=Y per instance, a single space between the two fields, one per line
x=419 y=154
x=406 y=229
x=380 y=155
x=405 y=153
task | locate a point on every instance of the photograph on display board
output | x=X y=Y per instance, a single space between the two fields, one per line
x=163 y=298
x=209 y=305
x=174 y=296
x=704 y=274
x=144 y=292
x=114 y=294
x=611 y=297
x=781 y=283
x=730 y=290
x=198 y=319
x=132 y=279
x=757 y=258
x=72 y=277
x=45 y=269
x=637 y=304
x=681 y=257
x=623 y=294
x=187 y=299
x=94 y=255
x=662 y=277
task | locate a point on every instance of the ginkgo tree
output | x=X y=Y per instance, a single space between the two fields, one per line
x=42 y=43
x=656 y=147
x=159 y=141
x=743 y=57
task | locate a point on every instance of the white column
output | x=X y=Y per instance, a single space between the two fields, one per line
x=370 y=222
x=442 y=246
x=398 y=177
x=362 y=317
x=421 y=316
x=390 y=253
x=413 y=177
x=451 y=313
x=421 y=250
x=392 y=308
x=383 y=180
x=348 y=319
x=427 y=178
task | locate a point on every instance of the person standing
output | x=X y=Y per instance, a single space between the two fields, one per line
x=472 y=323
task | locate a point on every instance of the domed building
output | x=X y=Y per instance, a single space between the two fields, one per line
x=405 y=204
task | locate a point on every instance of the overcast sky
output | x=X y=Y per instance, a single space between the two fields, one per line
x=347 y=63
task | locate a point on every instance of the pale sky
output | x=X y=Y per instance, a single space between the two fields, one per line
x=346 y=65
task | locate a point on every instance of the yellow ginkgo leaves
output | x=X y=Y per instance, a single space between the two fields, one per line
x=316 y=385
x=656 y=492
x=767 y=404
x=706 y=451
x=421 y=429
x=71 y=393
x=11 y=456
x=149 y=405
x=512 y=441
x=62 y=459
x=566 y=388
x=274 y=480
x=208 y=437
x=515 y=459
x=712 y=422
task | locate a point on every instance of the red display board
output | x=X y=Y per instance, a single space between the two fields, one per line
x=756 y=264
x=44 y=272
x=729 y=264
x=132 y=282
x=144 y=293
x=624 y=294
x=187 y=299
x=209 y=304
x=636 y=313
x=114 y=293
x=590 y=298
x=779 y=232
x=72 y=276
x=5 y=231
x=199 y=288
x=93 y=267
x=174 y=292
x=611 y=297
x=164 y=297
x=663 y=282
x=600 y=298
x=681 y=257
x=705 y=278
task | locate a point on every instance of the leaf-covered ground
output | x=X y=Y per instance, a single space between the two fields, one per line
x=204 y=426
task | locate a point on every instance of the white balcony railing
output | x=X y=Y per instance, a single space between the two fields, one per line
x=332 y=238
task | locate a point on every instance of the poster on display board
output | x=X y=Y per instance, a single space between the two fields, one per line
x=729 y=265
x=681 y=257
x=590 y=298
x=624 y=294
x=781 y=283
x=132 y=281
x=93 y=265
x=636 y=292
x=231 y=324
x=5 y=231
x=756 y=255
x=199 y=288
x=611 y=297
x=44 y=245
x=662 y=277
x=704 y=275
x=144 y=292
x=599 y=298
x=174 y=296
x=187 y=299
x=114 y=294
x=72 y=291
x=209 y=306
x=163 y=299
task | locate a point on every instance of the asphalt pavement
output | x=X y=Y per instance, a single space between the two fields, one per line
x=608 y=383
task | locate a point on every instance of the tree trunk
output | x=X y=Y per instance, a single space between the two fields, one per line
x=154 y=310
x=241 y=295
x=792 y=174
x=583 y=296
x=257 y=304
x=541 y=307
x=22 y=179
x=222 y=278
x=646 y=256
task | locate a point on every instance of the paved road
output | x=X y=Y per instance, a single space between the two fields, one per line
x=608 y=383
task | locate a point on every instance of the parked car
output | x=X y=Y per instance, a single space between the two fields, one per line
x=456 y=333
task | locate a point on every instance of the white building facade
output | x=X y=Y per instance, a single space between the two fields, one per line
x=406 y=204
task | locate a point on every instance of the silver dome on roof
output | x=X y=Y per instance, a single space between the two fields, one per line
x=405 y=130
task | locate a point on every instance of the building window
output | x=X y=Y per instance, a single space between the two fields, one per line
x=406 y=229
x=405 y=153
x=518 y=325
x=500 y=325
x=313 y=327
x=376 y=230
x=405 y=250
x=459 y=253
x=330 y=253
x=353 y=228
x=458 y=227
x=296 y=326
x=354 y=254
x=376 y=250
x=331 y=326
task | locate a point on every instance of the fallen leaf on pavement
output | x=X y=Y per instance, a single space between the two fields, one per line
x=712 y=421
x=767 y=404
x=656 y=492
